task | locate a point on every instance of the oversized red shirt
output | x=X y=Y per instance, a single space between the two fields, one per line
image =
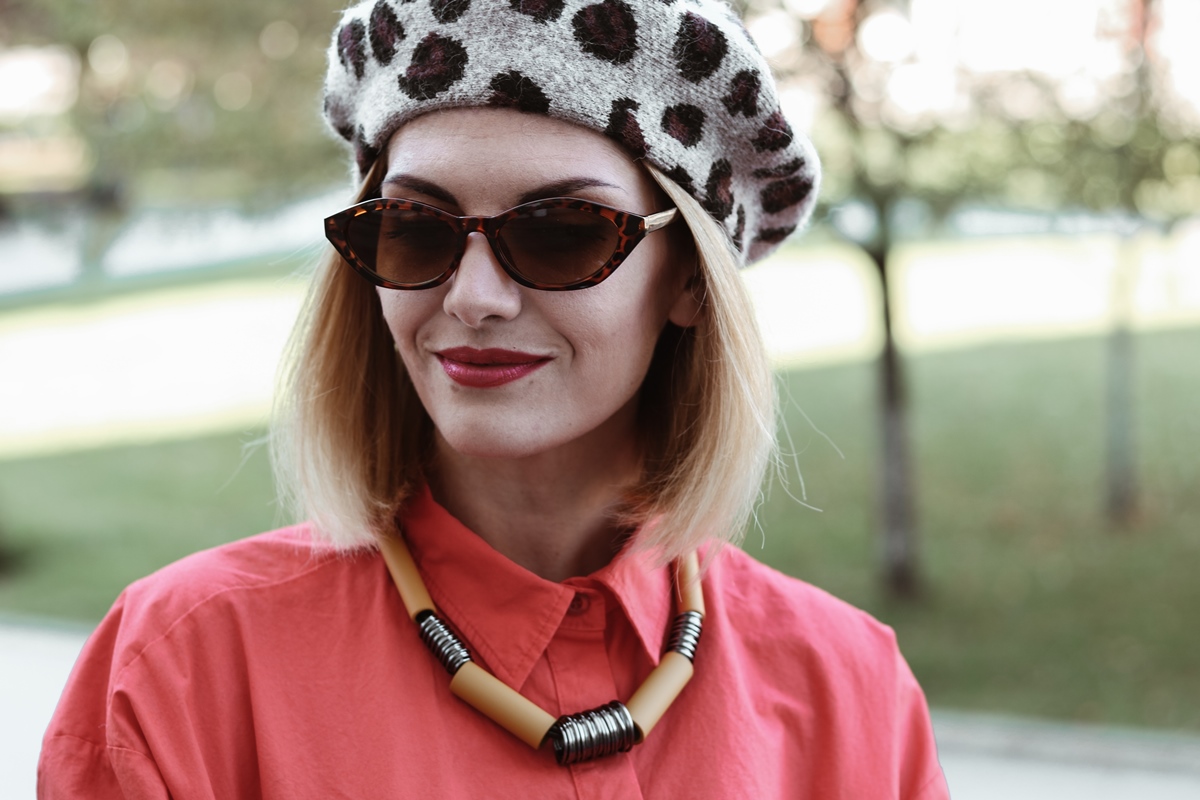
x=270 y=668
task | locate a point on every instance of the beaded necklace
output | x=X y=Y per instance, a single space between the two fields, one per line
x=612 y=728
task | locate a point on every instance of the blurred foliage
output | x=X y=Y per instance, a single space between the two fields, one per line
x=194 y=101
x=1008 y=139
x=906 y=138
x=156 y=128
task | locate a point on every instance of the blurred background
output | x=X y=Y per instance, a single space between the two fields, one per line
x=988 y=343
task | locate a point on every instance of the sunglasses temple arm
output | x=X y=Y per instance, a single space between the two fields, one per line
x=661 y=219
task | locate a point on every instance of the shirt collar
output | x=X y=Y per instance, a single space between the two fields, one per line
x=507 y=614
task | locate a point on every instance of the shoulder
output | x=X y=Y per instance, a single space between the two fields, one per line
x=212 y=606
x=819 y=671
x=760 y=593
x=245 y=565
x=180 y=648
x=780 y=617
x=256 y=561
x=225 y=586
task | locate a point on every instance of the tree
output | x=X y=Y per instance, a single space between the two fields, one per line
x=877 y=159
x=898 y=130
x=1134 y=158
x=185 y=102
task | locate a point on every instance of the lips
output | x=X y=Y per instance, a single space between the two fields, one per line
x=485 y=369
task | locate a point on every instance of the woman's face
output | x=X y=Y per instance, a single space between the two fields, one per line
x=505 y=371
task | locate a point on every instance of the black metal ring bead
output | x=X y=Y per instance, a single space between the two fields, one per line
x=600 y=732
x=685 y=634
x=441 y=642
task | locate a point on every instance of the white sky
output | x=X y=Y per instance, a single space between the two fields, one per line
x=1075 y=43
x=1071 y=42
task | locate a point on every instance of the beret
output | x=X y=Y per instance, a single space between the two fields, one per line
x=679 y=83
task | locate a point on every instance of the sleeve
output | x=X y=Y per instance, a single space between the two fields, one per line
x=921 y=776
x=77 y=760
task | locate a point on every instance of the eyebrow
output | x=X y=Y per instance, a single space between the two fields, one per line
x=566 y=187
x=420 y=186
x=561 y=188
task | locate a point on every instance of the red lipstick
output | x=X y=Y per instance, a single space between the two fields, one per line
x=484 y=369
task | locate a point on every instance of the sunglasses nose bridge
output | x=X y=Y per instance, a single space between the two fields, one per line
x=481 y=226
x=471 y=225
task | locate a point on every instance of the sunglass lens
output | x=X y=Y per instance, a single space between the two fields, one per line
x=559 y=246
x=402 y=246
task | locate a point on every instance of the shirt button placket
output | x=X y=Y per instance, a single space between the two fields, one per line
x=583 y=679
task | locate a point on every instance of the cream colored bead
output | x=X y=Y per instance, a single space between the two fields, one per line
x=506 y=706
x=662 y=686
x=690 y=593
x=406 y=577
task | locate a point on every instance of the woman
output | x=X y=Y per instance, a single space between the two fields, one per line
x=527 y=400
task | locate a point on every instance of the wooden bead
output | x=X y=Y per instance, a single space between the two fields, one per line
x=506 y=706
x=404 y=574
x=691 y=595
x=662 y=686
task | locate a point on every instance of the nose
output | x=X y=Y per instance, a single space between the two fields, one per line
x=480 y=290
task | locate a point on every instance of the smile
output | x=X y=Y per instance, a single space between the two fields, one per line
x=485 y=369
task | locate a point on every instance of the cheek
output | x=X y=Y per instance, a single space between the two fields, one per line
x=615 y=341
x=389 y=307
x=403 y=313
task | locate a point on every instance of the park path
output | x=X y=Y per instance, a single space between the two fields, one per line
x=985 y=757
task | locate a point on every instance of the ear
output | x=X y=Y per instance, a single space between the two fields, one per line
x=685 y=308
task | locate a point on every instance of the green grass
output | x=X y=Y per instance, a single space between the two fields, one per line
x=76 y=528
x=1032 y=604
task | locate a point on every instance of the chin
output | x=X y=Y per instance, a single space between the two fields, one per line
x=493 y=439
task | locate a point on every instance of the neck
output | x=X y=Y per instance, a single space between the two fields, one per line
x=553 y=512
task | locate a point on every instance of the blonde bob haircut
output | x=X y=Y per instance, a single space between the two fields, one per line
x=351 y=439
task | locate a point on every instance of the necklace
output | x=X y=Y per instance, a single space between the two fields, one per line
x=612 y=728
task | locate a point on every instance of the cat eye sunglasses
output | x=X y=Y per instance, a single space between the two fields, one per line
x=558 y=244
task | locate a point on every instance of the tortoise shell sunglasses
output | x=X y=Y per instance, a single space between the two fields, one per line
x=558 y=244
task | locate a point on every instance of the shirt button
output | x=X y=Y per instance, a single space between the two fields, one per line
x=580 y=603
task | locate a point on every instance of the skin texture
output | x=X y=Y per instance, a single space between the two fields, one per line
x=537 y=465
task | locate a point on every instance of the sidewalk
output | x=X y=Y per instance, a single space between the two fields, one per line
x=990 y=757
x=34 y=665
x=985 y=757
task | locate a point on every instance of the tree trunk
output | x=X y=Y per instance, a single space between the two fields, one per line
x=1121 y=470
x=900 y=574
x=103 y=219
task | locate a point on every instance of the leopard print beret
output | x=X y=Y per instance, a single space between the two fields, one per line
x=677 y=82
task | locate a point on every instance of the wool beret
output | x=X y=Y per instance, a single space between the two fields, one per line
x=679 y=83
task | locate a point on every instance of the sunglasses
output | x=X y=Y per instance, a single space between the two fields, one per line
x=556 y=245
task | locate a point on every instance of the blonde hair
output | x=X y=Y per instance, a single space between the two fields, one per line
x=350 y=437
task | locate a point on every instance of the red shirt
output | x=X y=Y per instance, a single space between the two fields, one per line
x=271 y=668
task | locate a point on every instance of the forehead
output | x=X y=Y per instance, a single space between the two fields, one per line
x=479 y=148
